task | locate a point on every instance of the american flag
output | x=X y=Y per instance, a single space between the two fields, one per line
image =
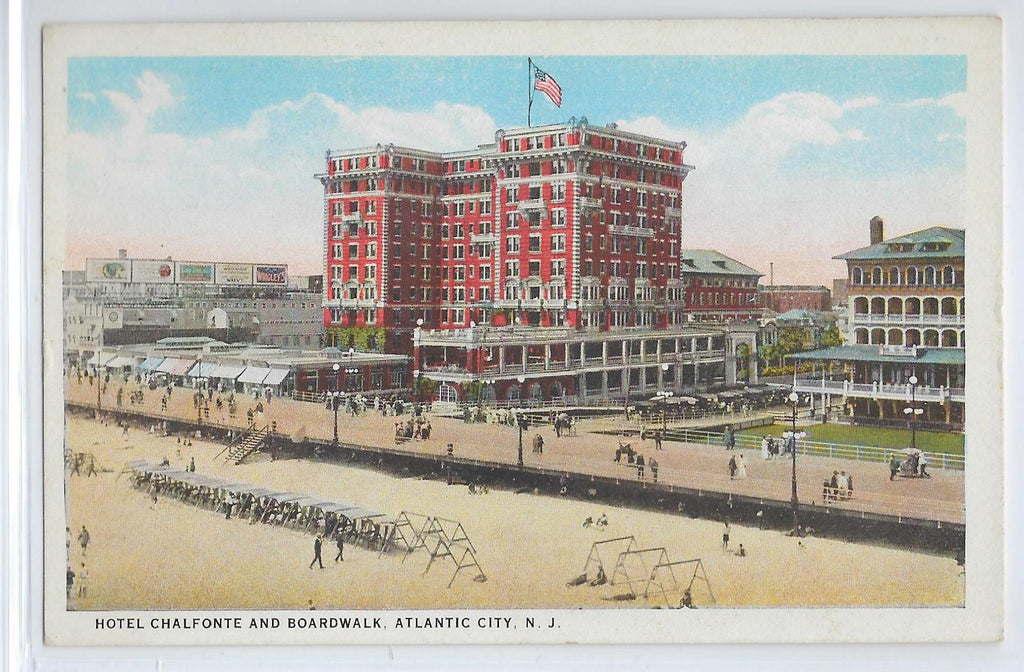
x=547 y=85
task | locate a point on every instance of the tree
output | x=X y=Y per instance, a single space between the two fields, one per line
x=425 y=388
x=832 y=337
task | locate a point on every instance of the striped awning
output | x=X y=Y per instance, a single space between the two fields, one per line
x=175 y=366
x=151 y=364
x=119 y=362
x=253 y=374
x=202 y=370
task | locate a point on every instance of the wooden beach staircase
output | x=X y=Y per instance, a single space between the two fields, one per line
x=247 y=444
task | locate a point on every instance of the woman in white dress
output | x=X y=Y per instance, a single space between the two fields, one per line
x=765 y=455
x=741 y=467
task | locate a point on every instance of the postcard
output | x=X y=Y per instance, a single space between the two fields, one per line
x=528 y=332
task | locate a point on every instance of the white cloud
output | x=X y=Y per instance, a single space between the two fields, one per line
x=238 y=194
x=86 y=95
x=741 y=201
x=857 y=103
x=954 y=101
x=154 y=94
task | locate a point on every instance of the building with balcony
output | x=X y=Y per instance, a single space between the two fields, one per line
x=906 y=323
x=908 y=290
x=561 y=225
x=523 y=364
x=553 y=254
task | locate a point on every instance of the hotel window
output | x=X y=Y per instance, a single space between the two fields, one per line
x=337 y=252
x=371 y=272
x=534 y=242
x=558 y=217
x=485 y=207
x=371 y=251
x=512 y=220
x=616 y=195
x=558 y=267
x=459 y=231
x=512 y=195
x=425 y=273
x=460 y=273
x=425 y=252
x=512 y=245
x=353 y=272
x=353 y=251
x=588 y=243
x=535 y=268
x=425 y=294
x=445 y=231
x=535 y=192
x=912 y=275
x=858 y=276
x=558 y=191
x=558 y=242
x=485 y=272
x=460 y=252
x=511 y=269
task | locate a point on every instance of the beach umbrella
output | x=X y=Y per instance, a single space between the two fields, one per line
x=299 y=435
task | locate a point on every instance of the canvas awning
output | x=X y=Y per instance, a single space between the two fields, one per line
x=202 y=370
x=119 y=362
x=253 y=374
x=101 y=358
x=276 y=376
x=151 y=364
x=226 y=371
x=175 y=366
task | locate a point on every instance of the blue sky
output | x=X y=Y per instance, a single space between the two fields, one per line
x=824 y=141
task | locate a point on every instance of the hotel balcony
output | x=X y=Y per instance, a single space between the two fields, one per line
x=878 y=391
x=533 y=204
x=897 y=319
x=673 y=212
x=478 y=238
x=590 y=202
x=617 y=230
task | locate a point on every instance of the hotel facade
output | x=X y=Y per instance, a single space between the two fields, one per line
x=553 y=254
x=907 y=323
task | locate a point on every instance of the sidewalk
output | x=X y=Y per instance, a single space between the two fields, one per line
x=940 y=498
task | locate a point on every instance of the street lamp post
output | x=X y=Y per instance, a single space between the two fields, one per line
x=913 y=411
x=99 y=403
x=520 y=421
x=794 y=398
x=335 y=402
x=665 y=396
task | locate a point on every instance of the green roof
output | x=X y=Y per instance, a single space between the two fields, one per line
x=713 y=261
x=871 y=353
x=936 y=242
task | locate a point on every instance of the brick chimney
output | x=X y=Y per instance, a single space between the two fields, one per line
x=877 y=230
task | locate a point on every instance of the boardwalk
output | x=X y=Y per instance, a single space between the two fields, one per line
x=692 y=466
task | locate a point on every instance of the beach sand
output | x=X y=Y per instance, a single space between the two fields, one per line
x=176 y=556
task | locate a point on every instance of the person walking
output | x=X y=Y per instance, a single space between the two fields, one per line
x=725 y=537
x=732 y=467
x=922 y=465
x=317 y=547
x=894 y=467
x=741 y=466
x=83 y=539
x=83 y=580
x=341 y=548
x=657 y=442
x=640 y=466
x=654 y=469
x=192 y=465
x=730 y=437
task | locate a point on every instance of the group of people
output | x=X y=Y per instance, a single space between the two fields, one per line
x=772 y=448
x=915 y=465
x=601 y=522
x=840 y=486
x=737 y=467
x=413 y=428
x=78 y=583
x=637 y=460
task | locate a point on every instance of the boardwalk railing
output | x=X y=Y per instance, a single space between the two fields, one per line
x=842 y=451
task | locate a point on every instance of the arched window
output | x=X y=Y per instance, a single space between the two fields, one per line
x=948 y=276
x=858 y=276
x=860 y=305
x=894 y=276
x=929 y=275
x=876 y=275
x=912 y=275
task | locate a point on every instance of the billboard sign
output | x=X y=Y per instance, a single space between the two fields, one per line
x=194 y=272
x=148 y=270
x=234 y=274
x=107 y=270
x=267 y=274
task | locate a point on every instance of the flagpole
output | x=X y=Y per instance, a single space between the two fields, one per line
x=529 y=77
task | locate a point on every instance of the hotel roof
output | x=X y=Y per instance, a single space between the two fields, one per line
x=713 y=261
x=872 y=353
x=937 y=242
